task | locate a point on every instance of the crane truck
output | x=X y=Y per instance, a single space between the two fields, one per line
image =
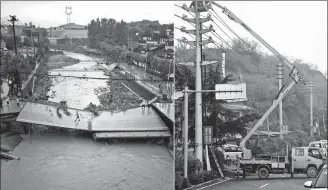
x=302 y=159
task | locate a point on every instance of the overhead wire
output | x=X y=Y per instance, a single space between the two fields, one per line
x=215 y=33
x=216 y=16
x=85 y=77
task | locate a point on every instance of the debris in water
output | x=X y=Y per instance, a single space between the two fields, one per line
x=9 y=156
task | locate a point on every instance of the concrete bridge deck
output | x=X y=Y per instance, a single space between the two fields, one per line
x=143 y=120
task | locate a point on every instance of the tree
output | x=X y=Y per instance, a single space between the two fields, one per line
x=213 y=107
x=27 y=42
x=121 y=33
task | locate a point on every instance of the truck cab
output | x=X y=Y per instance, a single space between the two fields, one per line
x=322 y=145
x=307 y=160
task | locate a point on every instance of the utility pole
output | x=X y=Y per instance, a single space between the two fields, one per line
x=268 y=125
x=223 y=63
x=13 y=19
x=280 y=75
x=185 y=134
x=198 y=7
x=198 y=104
x=324 y=123
x=318 y=122
x=311 y=87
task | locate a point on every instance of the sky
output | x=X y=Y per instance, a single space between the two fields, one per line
x=296 y=29
x=52 y=13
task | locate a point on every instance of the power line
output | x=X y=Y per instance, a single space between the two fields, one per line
x=232 y=31
x=83 y=77
x=195 y=38
x=218 y=36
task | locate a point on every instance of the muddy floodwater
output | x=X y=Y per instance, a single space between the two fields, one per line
x=69 y=163
x=60 y=162
x=78 y=93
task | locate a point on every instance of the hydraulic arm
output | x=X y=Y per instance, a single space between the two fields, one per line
x=294 y=74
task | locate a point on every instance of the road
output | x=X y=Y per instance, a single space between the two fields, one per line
x=277 y=182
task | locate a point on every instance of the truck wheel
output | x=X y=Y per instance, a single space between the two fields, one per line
x=311 y=172
x=263 y=173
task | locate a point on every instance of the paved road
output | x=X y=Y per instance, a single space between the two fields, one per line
x=278 y=182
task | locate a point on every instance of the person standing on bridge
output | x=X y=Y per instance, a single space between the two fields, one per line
x=7 y=100
x=77 y=117
x=143 y=104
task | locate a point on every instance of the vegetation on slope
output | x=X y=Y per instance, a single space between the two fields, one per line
x=258 y=71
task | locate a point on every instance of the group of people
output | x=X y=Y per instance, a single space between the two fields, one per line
x=8 y=101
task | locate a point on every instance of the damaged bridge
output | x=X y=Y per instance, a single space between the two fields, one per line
x=133 y=123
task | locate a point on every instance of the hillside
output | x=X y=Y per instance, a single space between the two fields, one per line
x=259 y=74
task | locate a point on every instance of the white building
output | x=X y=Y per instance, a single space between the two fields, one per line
x=152 y=43
x=71 y=31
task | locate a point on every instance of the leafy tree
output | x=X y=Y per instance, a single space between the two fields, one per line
x=213 y=107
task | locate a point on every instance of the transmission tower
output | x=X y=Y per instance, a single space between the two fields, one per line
x=68 y=12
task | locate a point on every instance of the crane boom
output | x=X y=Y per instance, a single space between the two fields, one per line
x=294 y=74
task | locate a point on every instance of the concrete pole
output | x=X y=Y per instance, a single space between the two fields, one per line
x=323 y=121
x=311 y=108
x=223 y=64
x=311 y=113
x=185 y=135
x=319 y=127
x=280 y=103
x=268 y=125
x=198 y=104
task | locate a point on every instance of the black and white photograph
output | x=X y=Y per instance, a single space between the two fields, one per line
x=87 y=90
x=250 y=95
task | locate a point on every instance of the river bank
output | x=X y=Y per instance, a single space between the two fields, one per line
x=53 y=158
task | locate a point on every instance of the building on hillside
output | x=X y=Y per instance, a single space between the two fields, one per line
x=156 y=32
x=147 y=38
x=162 y=52
x=35 y=32
x=169 y=45
x=56 y=41
x=169 y=33
x=163 y=40
x=71 y=31
x=4 y=30
x=8 y=30
x=152 y=43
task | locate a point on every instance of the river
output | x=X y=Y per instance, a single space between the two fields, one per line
x=78 y=93
x=60 y=162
